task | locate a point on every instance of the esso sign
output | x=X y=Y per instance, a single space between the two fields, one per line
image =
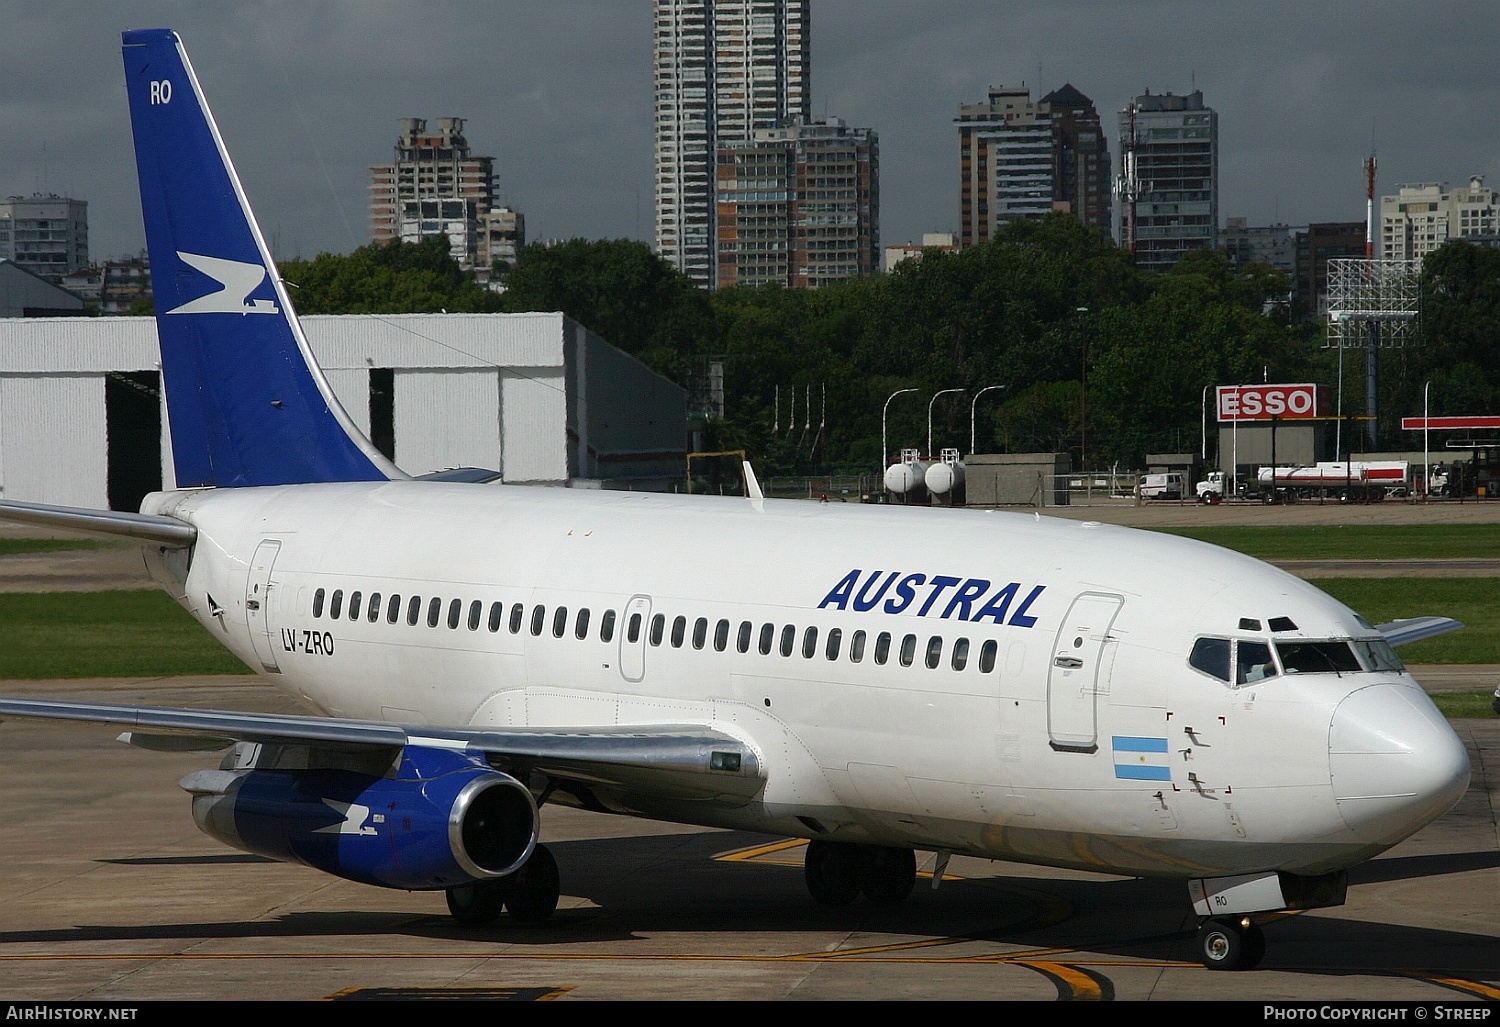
x=1263 y=402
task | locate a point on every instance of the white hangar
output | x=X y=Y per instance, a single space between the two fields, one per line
x=537 y=397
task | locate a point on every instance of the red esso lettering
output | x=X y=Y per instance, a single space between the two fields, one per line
x=1300 y=402
x=1275 y=402
x=1230 y=404
x=1250 y=403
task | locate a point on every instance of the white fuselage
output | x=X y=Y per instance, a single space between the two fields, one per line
x=1073 y=732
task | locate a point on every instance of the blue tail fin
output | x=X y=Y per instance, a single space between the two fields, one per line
x=246 y=402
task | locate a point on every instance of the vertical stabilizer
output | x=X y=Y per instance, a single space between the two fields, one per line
x=246 y=402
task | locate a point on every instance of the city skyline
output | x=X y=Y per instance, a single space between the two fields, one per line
x=561 y=95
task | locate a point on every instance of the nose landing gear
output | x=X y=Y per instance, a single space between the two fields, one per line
x=1231 y=943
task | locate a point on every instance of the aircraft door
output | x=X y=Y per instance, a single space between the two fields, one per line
x=1073 y=680
x=258 y=603
x=633 y=638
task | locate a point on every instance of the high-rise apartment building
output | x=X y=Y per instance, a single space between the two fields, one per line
x=799 y=206
x=1421 y=217
x=724 y=68
x=1168 y=199
x=1025 y=159
x=47 y=235
x=435 y=186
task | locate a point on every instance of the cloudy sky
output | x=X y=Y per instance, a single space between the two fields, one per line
x=309 y=92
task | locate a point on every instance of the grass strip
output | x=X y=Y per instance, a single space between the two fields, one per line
x=105 y=634
x=1352 y=541
x=17 y=546
x=1477 y=705
x=1471 y=600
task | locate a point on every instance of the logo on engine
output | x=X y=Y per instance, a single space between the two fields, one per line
x=354 y=816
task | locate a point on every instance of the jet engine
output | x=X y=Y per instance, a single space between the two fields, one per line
x=442 y=819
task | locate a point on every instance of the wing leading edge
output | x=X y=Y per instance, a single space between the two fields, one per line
x=671 y=760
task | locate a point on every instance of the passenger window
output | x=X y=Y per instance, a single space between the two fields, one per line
x=908 y=650
x=434 y=611
x=1211 y=656
x=336 y=606
x=960 y=654
x=581 y=626
x=497 y=614
x=354 y=601
x=987 y=656
x=413 y=610
x=374 y=614
x=721 y=636
x=809 y=643
x=742 y=640
x=455 y=613
x=934 y=652
x=679 y=630
x=882 y=647
x=560 y=622
x=856 y=647
x=393 y=609
x=835 y=638
x=788 y=639
x=700 y=632
x=767 y=638
x=607 y=626
x=517 y=613
x=476 y=613
x=658 y=628
x=318 y=603
x=538 y=619
x=633 y=635
x=1252 y=663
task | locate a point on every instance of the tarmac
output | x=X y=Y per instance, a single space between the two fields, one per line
x=113 y=895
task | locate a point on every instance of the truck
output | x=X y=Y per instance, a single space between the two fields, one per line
x=1342 y=479
x=1167 y=485
x=1216 y=485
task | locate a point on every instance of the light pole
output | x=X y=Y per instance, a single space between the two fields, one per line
x=972 y=405
x=1203 y=427
x=935 y=395
x=1426 y=449
x=885 y=453
x=1083 y=398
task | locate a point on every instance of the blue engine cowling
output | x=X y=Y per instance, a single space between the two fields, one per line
x=443 y=819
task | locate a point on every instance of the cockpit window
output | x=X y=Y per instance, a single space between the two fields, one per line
x=1211 y=656
x=1317 y=657
x=1252 y=663
x=1377 y=654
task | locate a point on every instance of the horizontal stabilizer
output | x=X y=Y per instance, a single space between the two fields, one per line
x=1414 y=629
x=109 y=523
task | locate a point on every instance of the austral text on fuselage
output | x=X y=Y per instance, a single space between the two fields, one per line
x=941 y=596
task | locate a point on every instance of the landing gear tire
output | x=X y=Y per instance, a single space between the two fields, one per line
x=1231 y=943
x=888 y=875
x=832 y=872
x=532 y=895
x=475 y=905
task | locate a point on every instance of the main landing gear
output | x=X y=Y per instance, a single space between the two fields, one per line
x=529 y=895
x=838 y=872
x=1231 y=943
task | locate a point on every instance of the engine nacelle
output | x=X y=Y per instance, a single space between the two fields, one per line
x=443 y=819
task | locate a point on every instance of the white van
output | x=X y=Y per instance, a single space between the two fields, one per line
x=1160 y=486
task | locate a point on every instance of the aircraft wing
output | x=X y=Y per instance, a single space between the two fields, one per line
x=1414 y=629
x=663 y=760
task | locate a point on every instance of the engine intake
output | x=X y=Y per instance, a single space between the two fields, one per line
x=443 y=819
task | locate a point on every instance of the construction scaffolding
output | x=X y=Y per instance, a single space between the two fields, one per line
x=1372 y=305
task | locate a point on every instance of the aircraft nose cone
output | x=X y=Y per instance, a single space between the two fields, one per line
x=1396 y=764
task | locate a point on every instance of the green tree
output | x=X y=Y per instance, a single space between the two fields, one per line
x=620 y=290
x=394 y=278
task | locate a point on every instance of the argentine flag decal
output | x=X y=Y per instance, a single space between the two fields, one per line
x=1141 y=759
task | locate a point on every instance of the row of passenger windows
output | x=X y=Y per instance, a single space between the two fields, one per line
x=765 y=640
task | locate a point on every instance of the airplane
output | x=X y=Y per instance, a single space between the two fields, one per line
x=876 y=680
